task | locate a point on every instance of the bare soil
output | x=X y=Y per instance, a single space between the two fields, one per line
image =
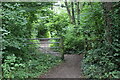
x=70 y=68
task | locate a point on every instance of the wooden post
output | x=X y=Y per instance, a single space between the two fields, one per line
x=62 y=48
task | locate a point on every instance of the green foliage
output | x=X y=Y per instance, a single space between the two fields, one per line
x=73 y=42
x=18 y=24
x=14 y=22
x=75 y=35
x=57 y=24
x=102 y=61
x=11 y=64
x=21 y=21
x=13 y=67
x=2 y=42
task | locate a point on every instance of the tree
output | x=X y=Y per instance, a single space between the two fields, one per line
x=108 y=7
x=73 y=13
x=69 y=12
x=78 y=13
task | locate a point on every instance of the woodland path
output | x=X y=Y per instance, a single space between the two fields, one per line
x=70 y=68
x=45 y=48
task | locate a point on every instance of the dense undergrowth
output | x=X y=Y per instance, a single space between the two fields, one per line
x=20 y=23
x=36 y=65
x=102 y=61
x=95 y=33
x=96 y=36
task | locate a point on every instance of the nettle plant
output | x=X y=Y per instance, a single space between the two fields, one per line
x=10 y=65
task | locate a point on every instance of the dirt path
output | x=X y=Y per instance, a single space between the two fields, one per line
x=45 y=48
x=68 y=69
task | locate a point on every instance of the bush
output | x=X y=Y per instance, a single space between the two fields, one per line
x=14 y=67
x=73 y=42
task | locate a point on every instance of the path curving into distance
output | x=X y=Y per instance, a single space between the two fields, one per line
x=45 y=48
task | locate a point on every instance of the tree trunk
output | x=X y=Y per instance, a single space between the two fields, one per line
x=108 y=21
x=78 y=13
x=73 y=15
x=68 y=10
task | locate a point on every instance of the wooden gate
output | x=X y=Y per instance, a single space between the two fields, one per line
x=45 y=45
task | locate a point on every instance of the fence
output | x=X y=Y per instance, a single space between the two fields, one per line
x=44 y=43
